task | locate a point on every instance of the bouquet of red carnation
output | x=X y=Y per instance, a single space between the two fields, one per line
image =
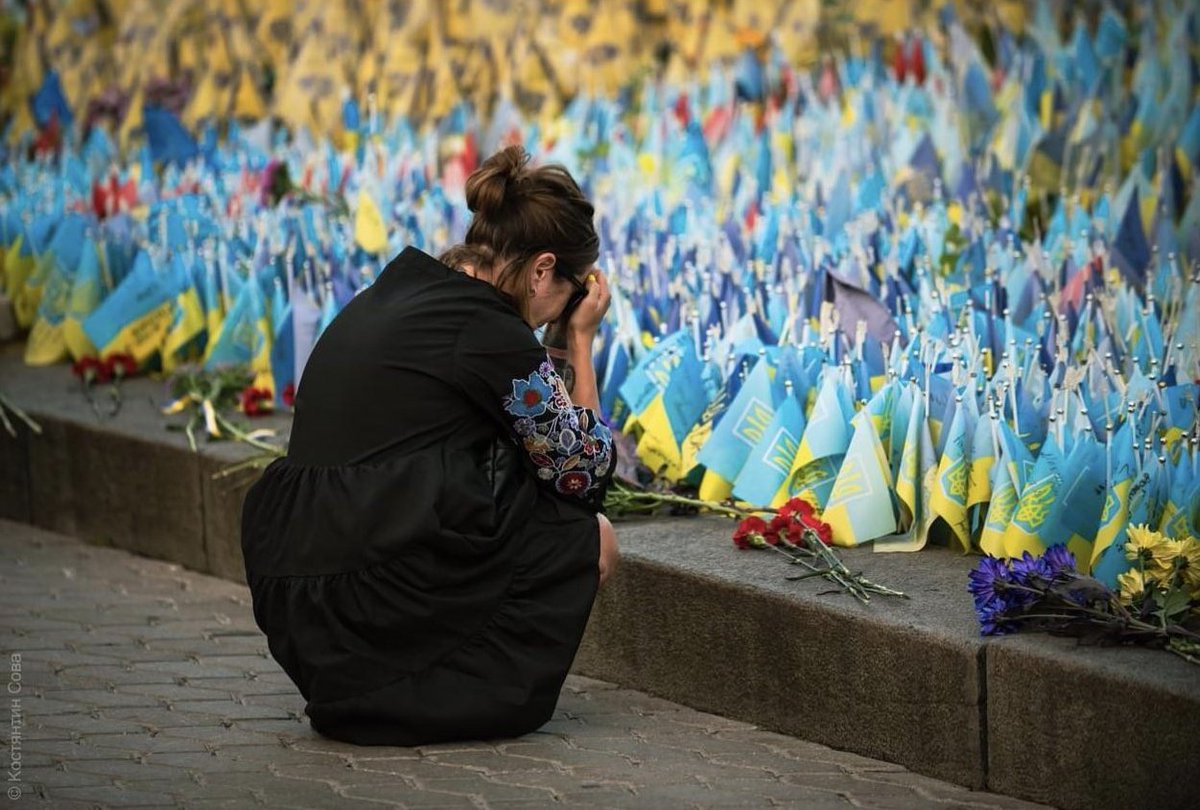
x=797 y=532
x=111 y=369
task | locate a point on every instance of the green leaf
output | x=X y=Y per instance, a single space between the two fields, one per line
x=1174 y=602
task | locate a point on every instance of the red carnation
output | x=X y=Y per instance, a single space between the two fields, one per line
x=779 y=527
x=120 y=365
x=255 y=401
x=289 y=395
x=752 y=526
x=822 y=530
x=796 y=506
x=91 y=368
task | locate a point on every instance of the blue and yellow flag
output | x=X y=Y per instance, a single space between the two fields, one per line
x=1108 y=553
x=914 y=484
x=860 y=507
x=824 y=443
x=999 y=512
x=214 y=308
x=671 y=412
x=770 y=460
x=1082 y=497
x=185 y=336
x=86 y=294
x=950 y=492
x=983 y=460
x=135 y=317
x=743 y=426
x=1176 y=520
x=245 y=337
x=828 y=430
x=616 y=369
x=46 y=344
x=1036 y=517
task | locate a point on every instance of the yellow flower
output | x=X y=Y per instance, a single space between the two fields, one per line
x=1182 y=557
x=1130 y=585
x=1143 y=545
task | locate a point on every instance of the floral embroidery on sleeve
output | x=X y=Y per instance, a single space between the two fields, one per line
x=569 y=446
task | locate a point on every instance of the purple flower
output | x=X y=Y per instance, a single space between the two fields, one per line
x=1030 y=569
x=993 y=620
x=274 y=184
x=1060 y=561
x=983 y=581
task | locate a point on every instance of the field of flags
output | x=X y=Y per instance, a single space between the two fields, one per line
x=950 y=297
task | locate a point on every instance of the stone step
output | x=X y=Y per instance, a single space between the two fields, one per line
x=693 y=620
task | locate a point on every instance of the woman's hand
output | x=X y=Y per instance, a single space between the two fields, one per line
x=610 y=554
x=586 y=318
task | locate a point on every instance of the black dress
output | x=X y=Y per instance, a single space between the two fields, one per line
x=424 y=560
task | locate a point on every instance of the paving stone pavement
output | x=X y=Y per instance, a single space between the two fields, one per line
x=134 y=682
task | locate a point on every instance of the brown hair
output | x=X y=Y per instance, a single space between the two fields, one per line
x=520 y=212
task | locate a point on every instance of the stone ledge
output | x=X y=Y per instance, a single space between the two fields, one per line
x=127 y=481
x=1092 y=726
x=692 y=620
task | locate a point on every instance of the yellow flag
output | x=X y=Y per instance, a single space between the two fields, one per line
x=188 y=323
x=247 y=103
x=205 y=102
x=369 y=230
x=714 y=488
x=133 y=120
x=16 y=268
x=45 y=345
x=657 y=448
x=28 y=296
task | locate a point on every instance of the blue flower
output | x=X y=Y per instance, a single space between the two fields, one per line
x=1030 y=569
x=1060 y=561
x=982 y=582
x=993 y=620
x=529 y=396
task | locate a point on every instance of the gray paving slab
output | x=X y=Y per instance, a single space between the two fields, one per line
x=143 y=684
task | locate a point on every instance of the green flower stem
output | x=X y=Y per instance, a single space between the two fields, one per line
x=261 y=460
x=627 y=496
x=190 y=430
x=1120 y=615
x=829 y=572
x=85 y=384
x=1191 y=659
x=241 y=436
x=1127 y=622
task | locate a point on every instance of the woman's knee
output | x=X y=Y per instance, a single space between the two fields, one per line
x=609 y=552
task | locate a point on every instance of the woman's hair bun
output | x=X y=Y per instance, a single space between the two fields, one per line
x=489 y=187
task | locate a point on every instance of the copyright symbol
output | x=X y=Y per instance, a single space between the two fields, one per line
x=14 y=792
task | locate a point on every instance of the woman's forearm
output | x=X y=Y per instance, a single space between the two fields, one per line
x=580 y=373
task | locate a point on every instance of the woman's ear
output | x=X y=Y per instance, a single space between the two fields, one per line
x=541 y=273
x=543 y=264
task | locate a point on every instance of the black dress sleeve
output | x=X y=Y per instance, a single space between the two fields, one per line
x=501 y=368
